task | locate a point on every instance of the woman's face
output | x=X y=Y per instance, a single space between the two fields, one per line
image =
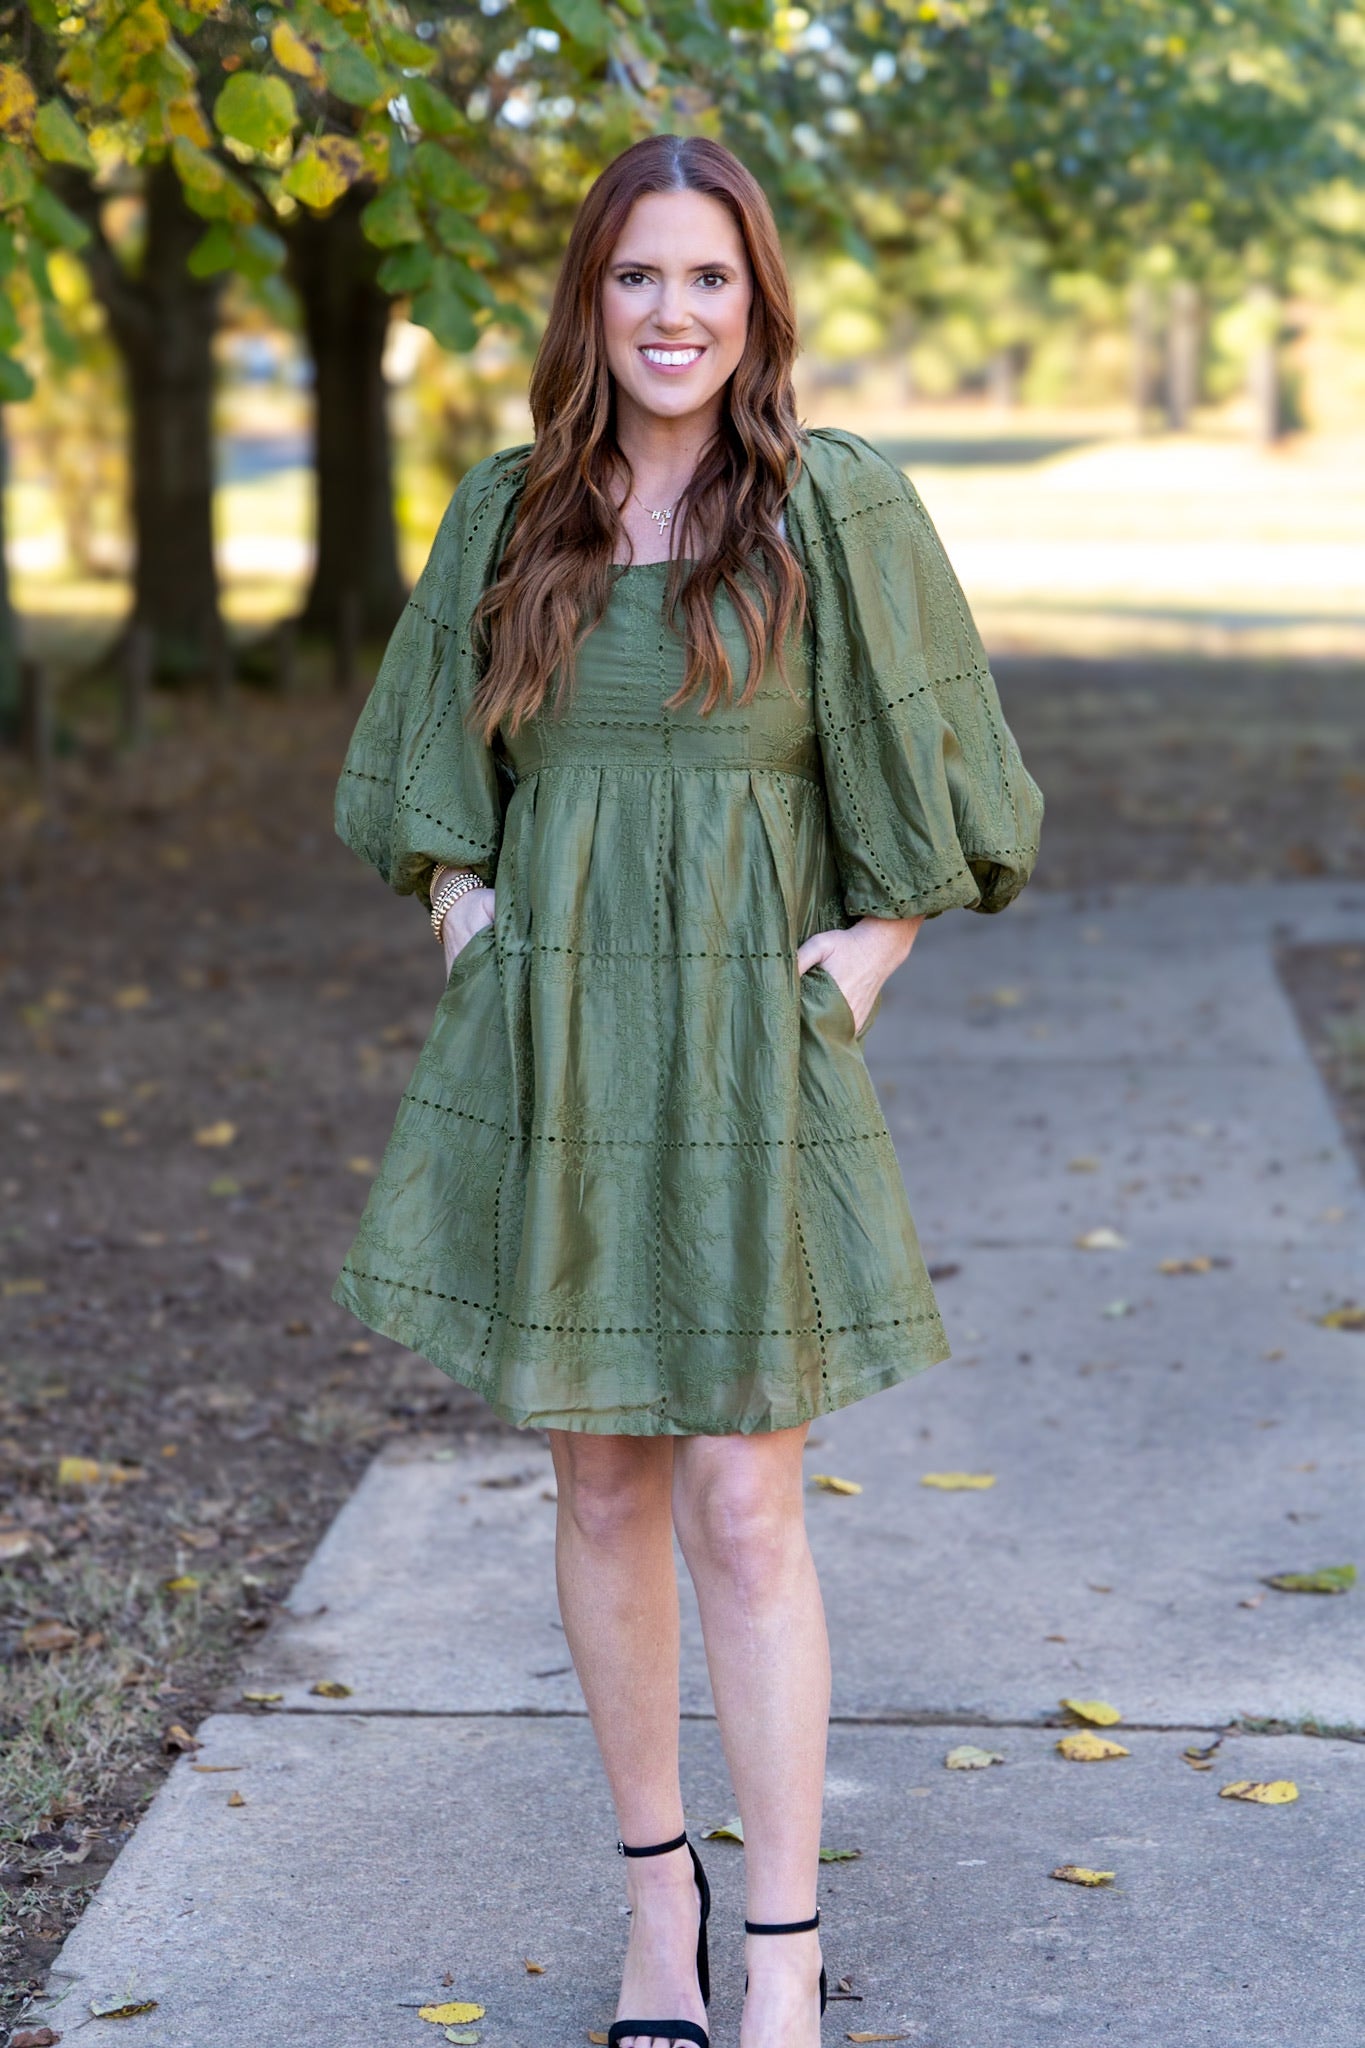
x=675 y=304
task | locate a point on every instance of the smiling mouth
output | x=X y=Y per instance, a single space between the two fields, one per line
x=673 y=358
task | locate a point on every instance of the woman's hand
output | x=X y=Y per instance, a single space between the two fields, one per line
x=860 y=959
x=464 y=917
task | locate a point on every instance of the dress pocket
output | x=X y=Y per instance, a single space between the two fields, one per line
x=476 y=944
x=840 y=1006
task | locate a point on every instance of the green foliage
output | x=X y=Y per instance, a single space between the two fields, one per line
x=257 y=110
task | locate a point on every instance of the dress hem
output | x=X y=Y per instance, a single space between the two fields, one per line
x=389 y=1318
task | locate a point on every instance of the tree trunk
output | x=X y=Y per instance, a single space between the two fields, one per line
x=163 y=323
x=1264 y=387
x=357 y=579
x=1142 y=377
x=1182 y=355
x=10 y=693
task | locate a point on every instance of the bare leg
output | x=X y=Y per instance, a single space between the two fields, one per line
x=618 y=1596
x=739 y=1509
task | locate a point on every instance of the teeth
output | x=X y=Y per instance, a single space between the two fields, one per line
x=671 y=355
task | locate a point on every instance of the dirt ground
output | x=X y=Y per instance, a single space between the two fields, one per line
x=210 y=1009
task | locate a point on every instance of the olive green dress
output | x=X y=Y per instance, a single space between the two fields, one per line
x=639 y=1182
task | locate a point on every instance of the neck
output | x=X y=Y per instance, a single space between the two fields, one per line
x=662 y=453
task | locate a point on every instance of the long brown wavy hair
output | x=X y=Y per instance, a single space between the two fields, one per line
x=555 y=575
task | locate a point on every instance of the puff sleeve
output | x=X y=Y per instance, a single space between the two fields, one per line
x=931 y=805
x=417 y=785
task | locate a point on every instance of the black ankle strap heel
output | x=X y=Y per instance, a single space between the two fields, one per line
x=673 y=2030
x=790 y=1927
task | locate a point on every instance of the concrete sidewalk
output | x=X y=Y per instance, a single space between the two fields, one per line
x=1159 y=1443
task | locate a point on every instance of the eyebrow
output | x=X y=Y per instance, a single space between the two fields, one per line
x=631 y=263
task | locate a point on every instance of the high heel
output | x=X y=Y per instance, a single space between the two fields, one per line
x=673 y=2030
x=790 y=1927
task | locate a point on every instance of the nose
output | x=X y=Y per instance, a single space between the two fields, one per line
x=670 y=312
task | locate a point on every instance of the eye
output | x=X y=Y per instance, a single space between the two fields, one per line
x=631 y=276
x=718 y=277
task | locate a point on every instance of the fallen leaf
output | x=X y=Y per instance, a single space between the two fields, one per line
x=1202 y=1264
x=466 y=2037
x=112 y=1119
x=1333 y=1578
x=120 y=2006
x=34 y=2037
x=262 y=1699
x=1199 y=1756
x=876 y=2037
x=1350 y=1316
x=1274 y=1792
x=221 y=1133
x=48 y=1635
x=840 y=1855
x=360 y=1164
x=453 y=2014
x=208 y=1768
x=600 y=2039
x=1254 y=1601
x=332 y=1689
x=235 y=1798
x=1086 y=1163
x=14 y=1544
x=1195 y=1764
x=1076 y=1873
x=533 y=1969
x=967 y=1757
x=24 y=1286
x=90 y=1472
x=134 y=997
x=1098 y=1712
x=1118 y=1308
x=827 y=1482
x=1102 y=1239
x=185 y=1583
x=731 y=1830
x=1085 y=1748
x=958 y=1482
x=179 y=1738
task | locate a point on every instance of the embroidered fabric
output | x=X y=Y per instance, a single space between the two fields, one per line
x=640 y=1181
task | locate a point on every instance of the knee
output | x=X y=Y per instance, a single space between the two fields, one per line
x=608 y=1490
x=742 y=1524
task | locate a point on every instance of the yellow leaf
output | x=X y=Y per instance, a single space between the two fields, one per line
x=211 y=1769
x=1275 y=1792
x=25 y=1287
x=331 y=1689
x=1083 y=1164
x=89 y=1472
x=1102 y=1239
x=454 y=2014
x=262 y=1699
x=1350 y=1316
x=1076 y=1873
x=235 y=1798
x=289 y=49
x=959 y=1482
x=121 y=2007
x=967 y=1757
x=1085 y=1748
x=829 y=1484
x=731 y=1830
x=132 y=997
x=1098 y=1712
x=185 y=1583
x=112 y=1118
x=185 y=117
x=533 y=1969
x=18 y=100
x=360 y=1164
x=600 y=2039
x=221 y=1133
x=1198 y=1265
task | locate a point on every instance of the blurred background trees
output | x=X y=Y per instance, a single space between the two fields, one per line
x=1111 y=202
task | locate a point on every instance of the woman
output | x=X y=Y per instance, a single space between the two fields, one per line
x=684 y=733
